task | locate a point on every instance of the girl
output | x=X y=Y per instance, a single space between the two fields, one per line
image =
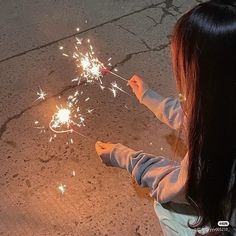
x=191 y=197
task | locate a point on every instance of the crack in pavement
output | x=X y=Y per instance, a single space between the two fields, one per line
x=81 y=32
x=165 y=12
x=130 y=55
x=134 y=34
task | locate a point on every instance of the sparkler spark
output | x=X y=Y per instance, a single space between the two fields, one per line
x=62 y=188
x=41 y=94
x=114 y=91
x=115 y=87
x=78 y=41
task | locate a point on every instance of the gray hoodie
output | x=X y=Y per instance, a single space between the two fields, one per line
x=165 y=177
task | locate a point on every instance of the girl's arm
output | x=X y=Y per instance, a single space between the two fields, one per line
x=167 y=110
x=165 y=177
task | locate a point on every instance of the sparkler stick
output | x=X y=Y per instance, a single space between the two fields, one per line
x=113 y=73
x=118 y=76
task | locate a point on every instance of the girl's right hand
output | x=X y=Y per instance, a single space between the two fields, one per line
x=138 y=86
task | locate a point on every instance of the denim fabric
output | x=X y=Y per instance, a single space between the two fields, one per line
x=174 y=219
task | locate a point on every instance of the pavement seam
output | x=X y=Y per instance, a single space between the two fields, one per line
x=81 y=32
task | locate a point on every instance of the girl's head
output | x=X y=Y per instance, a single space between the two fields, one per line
x=204 y=62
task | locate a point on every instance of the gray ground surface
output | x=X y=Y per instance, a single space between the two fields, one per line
x=98 y=200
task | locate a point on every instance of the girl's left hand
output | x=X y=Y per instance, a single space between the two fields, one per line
x=104 y=150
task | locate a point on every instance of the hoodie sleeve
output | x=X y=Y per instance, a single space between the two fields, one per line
x=165 y=177
x=167 y=110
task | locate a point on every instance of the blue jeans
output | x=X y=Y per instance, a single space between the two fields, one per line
x=174 y=219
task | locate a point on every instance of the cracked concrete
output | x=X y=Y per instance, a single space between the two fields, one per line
x=98 y=200
x=81 y=32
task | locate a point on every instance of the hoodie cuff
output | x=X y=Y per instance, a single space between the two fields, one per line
x=120 y=156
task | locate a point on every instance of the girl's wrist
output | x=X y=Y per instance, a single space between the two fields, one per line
x=143 y=95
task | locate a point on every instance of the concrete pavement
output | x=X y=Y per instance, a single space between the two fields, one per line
x=98 y=200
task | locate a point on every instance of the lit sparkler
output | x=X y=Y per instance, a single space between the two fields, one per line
x=68 y=117
x=91 y=68
x=62 y=118
x=90 y=65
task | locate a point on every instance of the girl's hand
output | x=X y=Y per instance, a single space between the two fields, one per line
x=104 y=150
x=138 y=86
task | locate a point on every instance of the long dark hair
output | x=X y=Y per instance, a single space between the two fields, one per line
x=204 y=62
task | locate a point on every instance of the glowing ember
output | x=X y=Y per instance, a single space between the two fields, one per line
x=63 y=116
x=79 y=41
x=41 y=94
x=115 y=87
x=114 y=91
x=62 y=188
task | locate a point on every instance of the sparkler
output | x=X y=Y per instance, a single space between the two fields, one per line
x=90 y=65
x=61 y=118
x=62 y=122
x=91 y=68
